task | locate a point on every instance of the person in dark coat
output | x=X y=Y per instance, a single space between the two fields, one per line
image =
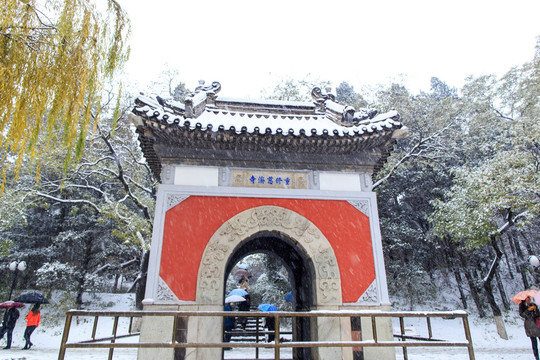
x=529 y=311
x=229 y=325
x=8 y=324
x=270 y=324
x=244 y=306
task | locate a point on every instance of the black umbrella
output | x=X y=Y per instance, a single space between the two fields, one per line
x=32 y=298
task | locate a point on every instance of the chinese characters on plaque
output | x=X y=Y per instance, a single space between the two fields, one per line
x=269 y=179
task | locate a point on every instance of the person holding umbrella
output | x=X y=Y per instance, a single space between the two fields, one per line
x=269 y=321
x=530 y=313
x=8 y=324
x=34 y=316
x=32 y=322
x=244 y=306
x=229 y=325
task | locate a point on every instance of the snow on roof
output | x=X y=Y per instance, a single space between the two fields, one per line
x=208 y=127
x=293 y=125
x=261 y=123
x=266 y=102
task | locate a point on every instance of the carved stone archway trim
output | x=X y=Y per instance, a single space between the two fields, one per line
x=269 y=219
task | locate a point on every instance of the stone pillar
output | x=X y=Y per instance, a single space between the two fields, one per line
x=384 y=333
x=156 y=329
x=205 y=329
x=339 y=329
x=347 y=353
x=327 y=329
x=193 y=329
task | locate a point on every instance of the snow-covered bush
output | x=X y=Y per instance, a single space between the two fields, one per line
x=58 y=275
x=55 y=275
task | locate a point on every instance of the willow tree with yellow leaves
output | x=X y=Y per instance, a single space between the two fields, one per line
x=55 y=57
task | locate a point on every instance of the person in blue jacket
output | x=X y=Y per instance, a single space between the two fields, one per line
x=229 y=325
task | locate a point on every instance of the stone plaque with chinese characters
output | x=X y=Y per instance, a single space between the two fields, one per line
x=270 y=179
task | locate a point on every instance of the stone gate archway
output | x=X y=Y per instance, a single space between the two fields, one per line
x=233 y=170
x=249 y=231
x=269 y=219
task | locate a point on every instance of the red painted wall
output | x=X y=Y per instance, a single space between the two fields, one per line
x=189 y=226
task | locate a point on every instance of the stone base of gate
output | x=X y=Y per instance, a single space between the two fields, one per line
x=208 y=329
x=328 y=329
x=156 y=329
x=201 y=329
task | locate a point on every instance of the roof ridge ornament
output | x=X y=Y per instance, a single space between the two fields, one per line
x=317 y=94
x=215 y=87
x=326 y=103
x=176 y=106
x=196 y=102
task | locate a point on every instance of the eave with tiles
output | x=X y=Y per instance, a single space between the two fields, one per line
x=209 y=130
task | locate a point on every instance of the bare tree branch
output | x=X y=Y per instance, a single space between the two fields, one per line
x=413 y=153
x=121 y=176
x=69 y=201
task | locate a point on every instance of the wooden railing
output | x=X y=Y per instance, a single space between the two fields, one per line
x=403 y=341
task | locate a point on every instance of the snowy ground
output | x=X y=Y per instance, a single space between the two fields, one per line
x=487 y=344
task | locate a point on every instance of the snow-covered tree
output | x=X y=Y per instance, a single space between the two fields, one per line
x=346 y=95
x=93 y=219
x=501 y=188
x=268 y=282
x=295 y=90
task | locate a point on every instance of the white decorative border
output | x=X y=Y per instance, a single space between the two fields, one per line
x=164 y=293
x=370 y=296
x=175 y=199
x=362 y=206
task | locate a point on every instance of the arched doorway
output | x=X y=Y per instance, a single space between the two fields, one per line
x=301 y=274
x=297 y=241
x=276 y=222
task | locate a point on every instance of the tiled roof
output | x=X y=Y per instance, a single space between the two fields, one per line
x=261 y=123
x=207 y=121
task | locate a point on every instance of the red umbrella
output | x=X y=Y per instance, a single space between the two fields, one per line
x=9 y=303
x=522 y=295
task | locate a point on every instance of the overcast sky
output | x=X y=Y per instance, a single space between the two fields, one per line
x=248 y=45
